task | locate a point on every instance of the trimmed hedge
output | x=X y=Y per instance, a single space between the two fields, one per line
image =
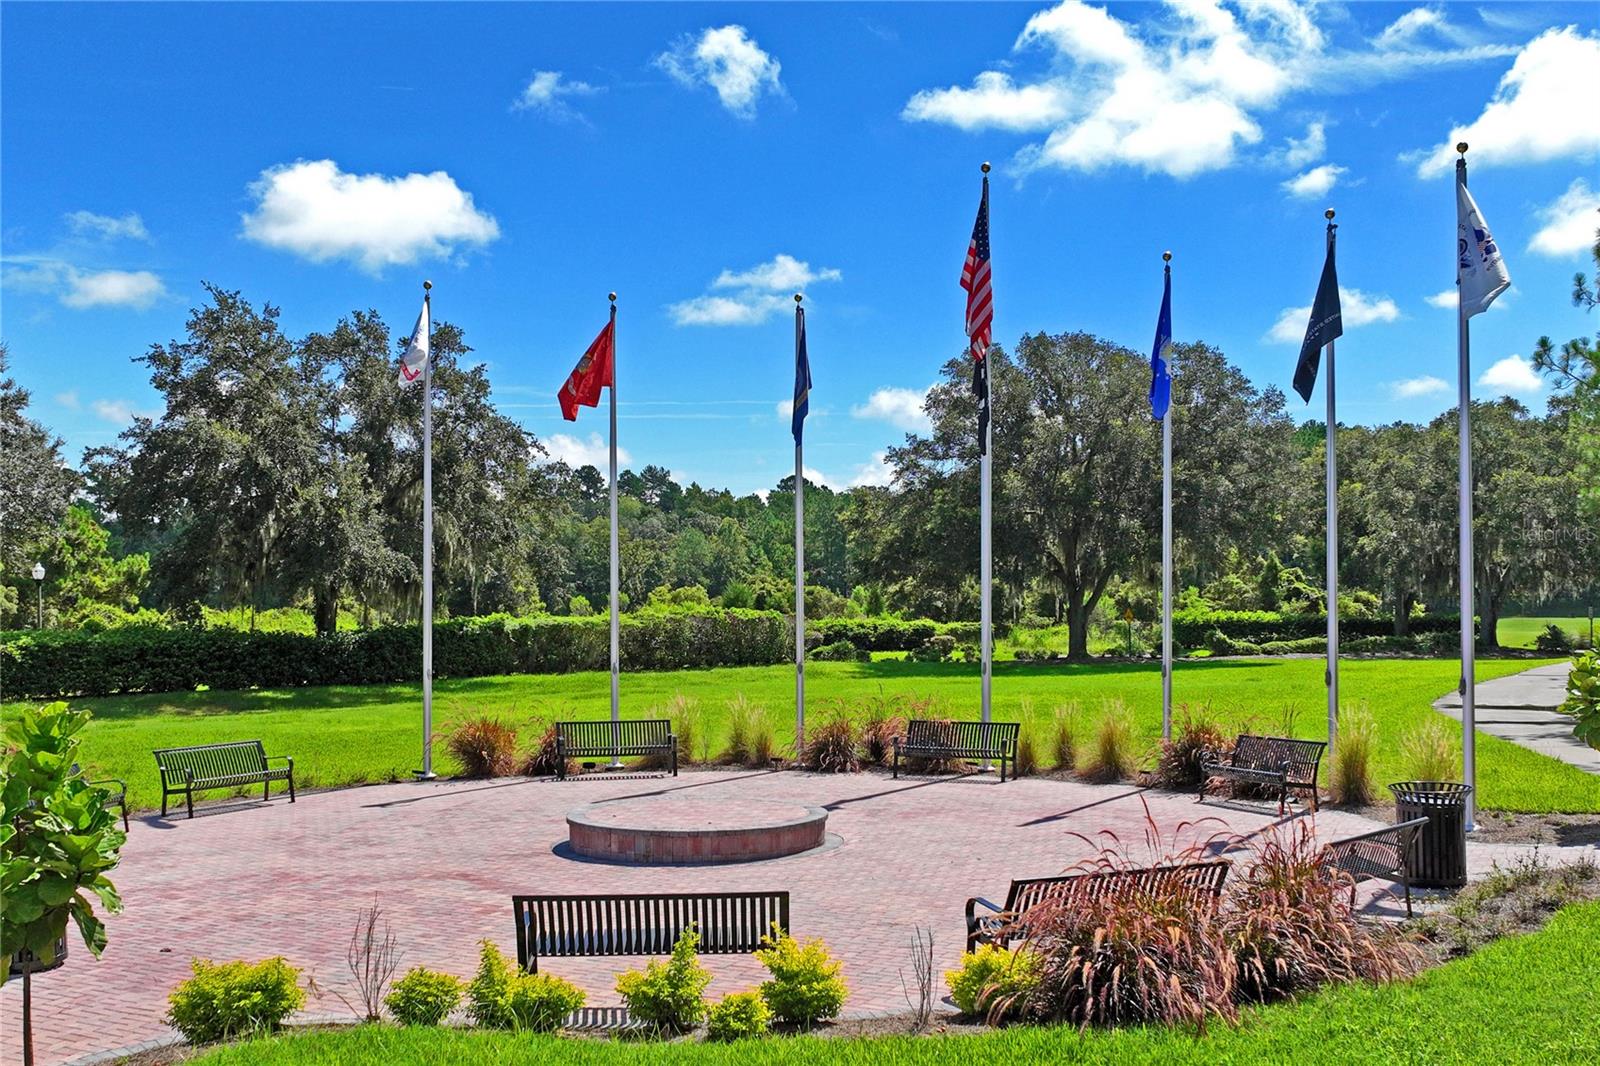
x=891 y=634
x=159 y=659
x=1193 y=629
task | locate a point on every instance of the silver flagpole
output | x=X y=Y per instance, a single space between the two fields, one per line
x=986 y=540
x=1166 y=549
x=426 y=773
x=1469 y=715
x=799 y=563
x=616 y=633
x=1331 y=462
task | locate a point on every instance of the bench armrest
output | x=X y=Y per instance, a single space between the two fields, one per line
x=119 y=782
x=979 y=901
x=281 y=758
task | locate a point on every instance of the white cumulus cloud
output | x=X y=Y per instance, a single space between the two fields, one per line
x=107 y=227
x=1513 y=374
x=1315 y=182
x=751 y=296
x=117 y=412
x=111 y=288
x=1543 y=108
x=1356 y=308
x=875 y=473
x=994 y=101
x=579 y=451
x=1303 y=151
x=1411 y=388
x=1445 y=300
x=1569 y=224
x=728 y=60
x=900 y=407
x=317 y=211
x=548 y=92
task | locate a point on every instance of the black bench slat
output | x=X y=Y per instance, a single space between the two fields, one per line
x=1384 y=854
x=1203 y=879
x=204 y=767
x=603 y=737
x=729 y=923
x=1285 y=763
x=931 y=738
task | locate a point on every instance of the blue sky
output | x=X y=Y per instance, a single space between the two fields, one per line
x=704 y=160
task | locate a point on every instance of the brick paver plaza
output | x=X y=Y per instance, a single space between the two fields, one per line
x=247 y=880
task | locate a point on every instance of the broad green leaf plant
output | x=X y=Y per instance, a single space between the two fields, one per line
x=57 y=840
x=1583 y=697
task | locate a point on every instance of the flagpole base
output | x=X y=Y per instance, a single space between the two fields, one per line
x=424 y=775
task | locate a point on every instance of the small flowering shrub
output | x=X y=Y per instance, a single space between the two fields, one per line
x=670 y=995
x=806 y=985
x=423 y=997
x=738 y=1016
x=992 y=977
x=233 y=999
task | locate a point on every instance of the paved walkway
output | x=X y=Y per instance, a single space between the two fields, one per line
x=248 y=880
x=1521 y=708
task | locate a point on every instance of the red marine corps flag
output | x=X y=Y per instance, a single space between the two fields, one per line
x=594 y=372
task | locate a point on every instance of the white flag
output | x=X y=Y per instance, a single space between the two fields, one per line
x=415 y=360
x=1480 y=269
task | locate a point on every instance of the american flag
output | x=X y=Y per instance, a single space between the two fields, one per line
x=980 y=312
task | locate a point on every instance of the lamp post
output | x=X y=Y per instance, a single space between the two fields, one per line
x=38 y=580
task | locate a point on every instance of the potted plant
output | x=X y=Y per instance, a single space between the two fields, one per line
x=57 y=842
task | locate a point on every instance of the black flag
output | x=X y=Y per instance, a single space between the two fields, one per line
x=980 y=389
x=1325 y=325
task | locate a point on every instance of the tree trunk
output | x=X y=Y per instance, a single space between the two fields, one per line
x=1489 y=622
x=1077 y=625
x=325 y=609
x=1402 y=614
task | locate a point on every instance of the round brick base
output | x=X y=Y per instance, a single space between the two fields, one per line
x=667 y=830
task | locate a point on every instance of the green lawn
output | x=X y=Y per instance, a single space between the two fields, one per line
x=1525 y=1000
x=343 y=735
x=1520 y=632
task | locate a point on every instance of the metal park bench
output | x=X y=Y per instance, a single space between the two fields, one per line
x=937 y=739
x=185 y=771
x=1385 y=854
x=729 y=923
x=1000 y=925
x=613 y=740
x=1280 y=764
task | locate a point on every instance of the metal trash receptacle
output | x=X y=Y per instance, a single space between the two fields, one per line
x=1440 y=856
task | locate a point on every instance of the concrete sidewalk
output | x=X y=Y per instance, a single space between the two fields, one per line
x=1521 y=708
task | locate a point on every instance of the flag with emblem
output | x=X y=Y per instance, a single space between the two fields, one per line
x=593 y=373
x=980 y=312
x=415 y=359
x=1480 y=269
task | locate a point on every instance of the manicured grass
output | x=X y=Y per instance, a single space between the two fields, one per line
x=344 y=735
x=1525 y=1000
x=1520 y=632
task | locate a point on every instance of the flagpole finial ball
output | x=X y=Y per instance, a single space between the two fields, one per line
x=986 y=168
x=1328 y=214
x=612 y=297
x=1462 y=147
x=1166 y=257
x=798 y=297
x=426 y=285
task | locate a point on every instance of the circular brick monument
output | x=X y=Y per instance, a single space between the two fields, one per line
x=661 y=830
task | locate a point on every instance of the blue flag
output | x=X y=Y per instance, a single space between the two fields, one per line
x=1327 y=324
x=802 y=377
x=1161 y=356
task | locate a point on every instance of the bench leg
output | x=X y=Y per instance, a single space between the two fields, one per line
x=291 y=786
x=124 y=806
x=1406 y=882
x=164 y=795
x=896 y=774
x=266 y=789
x=674 y=759
x=189 y=799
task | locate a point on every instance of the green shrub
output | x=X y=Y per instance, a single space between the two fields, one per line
x=423 y=997
x=806 y=985
x=1553 y=641
x=232 y=999
x=738 y=1016
x=1195 y=627
x=992 y=981
x=670 y=995
x=940 y=647
x=1583 y=697
x=485 y=747
x=499 y=996
x=180 y=658
x=840 y=651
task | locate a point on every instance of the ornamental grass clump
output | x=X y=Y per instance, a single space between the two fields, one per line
x=669 y=995
x=484 y=747
x=739 y=1016
x=743 y=721
x=1027 y=763
x=1197 y=736
x=1112 y=757
x=807 y=985
x=1065 y=738
x=1350 y=775
x=1429 y=752
x=233 y=999
x=543 y=759
x=423 y=997
x=880 y=724
x=833 y=746
x=1289 y=925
